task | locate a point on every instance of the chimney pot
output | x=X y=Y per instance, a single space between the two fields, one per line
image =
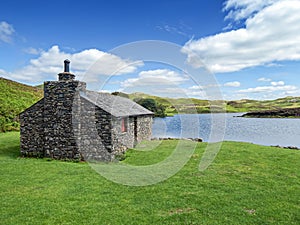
x=67 y=66
x=66 y=75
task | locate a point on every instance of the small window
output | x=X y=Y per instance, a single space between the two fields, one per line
x=124 y=123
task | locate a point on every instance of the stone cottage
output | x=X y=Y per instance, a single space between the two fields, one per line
x=71 y=122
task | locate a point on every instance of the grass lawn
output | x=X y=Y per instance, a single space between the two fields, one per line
x=246 y=184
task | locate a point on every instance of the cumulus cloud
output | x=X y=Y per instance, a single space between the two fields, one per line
x=155 y=77
x=209 y=92
x=271 y=34
x=277 y=83
x=262 y=89
x=232 y=84
x=202 y=87
x=263 y=79
x=2 y=72
x=87 y=64
x=292 y=92
x=178 y=92
x=196 y=87
x=242 y=9
x=6 y=31
x=33 y=51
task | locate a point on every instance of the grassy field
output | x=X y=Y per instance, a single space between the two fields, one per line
x=246 y=184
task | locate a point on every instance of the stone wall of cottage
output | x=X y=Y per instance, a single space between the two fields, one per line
x=93 y=135
x=138 y=128
x=122 y=140
x=32 y=131
x=100 y=136
x=144 y=128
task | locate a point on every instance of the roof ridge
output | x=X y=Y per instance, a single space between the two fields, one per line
x=115 y=105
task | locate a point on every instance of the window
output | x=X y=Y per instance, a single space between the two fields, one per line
x=124 y=123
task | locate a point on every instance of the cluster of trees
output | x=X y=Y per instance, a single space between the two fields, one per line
x=152 y=105
x=148 y=103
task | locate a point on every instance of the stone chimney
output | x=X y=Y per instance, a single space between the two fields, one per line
x=61 y=102
x=66 y=75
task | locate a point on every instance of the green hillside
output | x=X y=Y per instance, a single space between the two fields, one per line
x=14 y=98
x=246 y=105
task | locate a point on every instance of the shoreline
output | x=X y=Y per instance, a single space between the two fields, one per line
x=279 y=113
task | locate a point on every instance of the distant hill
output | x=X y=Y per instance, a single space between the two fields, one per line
x=177 y=105
x=40 y=86
x=192 y=105
x=14 y=98
x=246 y=105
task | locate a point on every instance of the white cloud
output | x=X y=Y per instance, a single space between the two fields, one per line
x=88 y=64
x=232 y=84
x=2 y=72
x=173 y=92
x=271 y=33
x=196 y=87
x=242 y=9
x=263 y=79
x=273 y=64
x=155 y=77
x=277 y=83
x=292 y=92
x=33 y=51
x=209 y=92
x=6 y=31
x=197 y=94
x=262 y=89
x=201 y=87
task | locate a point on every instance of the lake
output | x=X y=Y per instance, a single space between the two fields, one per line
x=227 y=126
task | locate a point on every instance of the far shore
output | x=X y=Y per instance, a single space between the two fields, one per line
x=279 y=113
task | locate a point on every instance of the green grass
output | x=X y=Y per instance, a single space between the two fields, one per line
x=246 y=184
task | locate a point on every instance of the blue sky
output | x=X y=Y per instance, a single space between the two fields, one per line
x=250 y=48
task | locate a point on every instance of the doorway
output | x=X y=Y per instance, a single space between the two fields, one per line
x=135 y=130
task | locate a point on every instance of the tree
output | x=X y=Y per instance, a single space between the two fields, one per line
x=121 y=94
x=152 y=105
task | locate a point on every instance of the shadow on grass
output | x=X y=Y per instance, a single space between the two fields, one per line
x=10 y=144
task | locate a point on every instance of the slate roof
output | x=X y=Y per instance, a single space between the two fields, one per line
x=115 y=105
